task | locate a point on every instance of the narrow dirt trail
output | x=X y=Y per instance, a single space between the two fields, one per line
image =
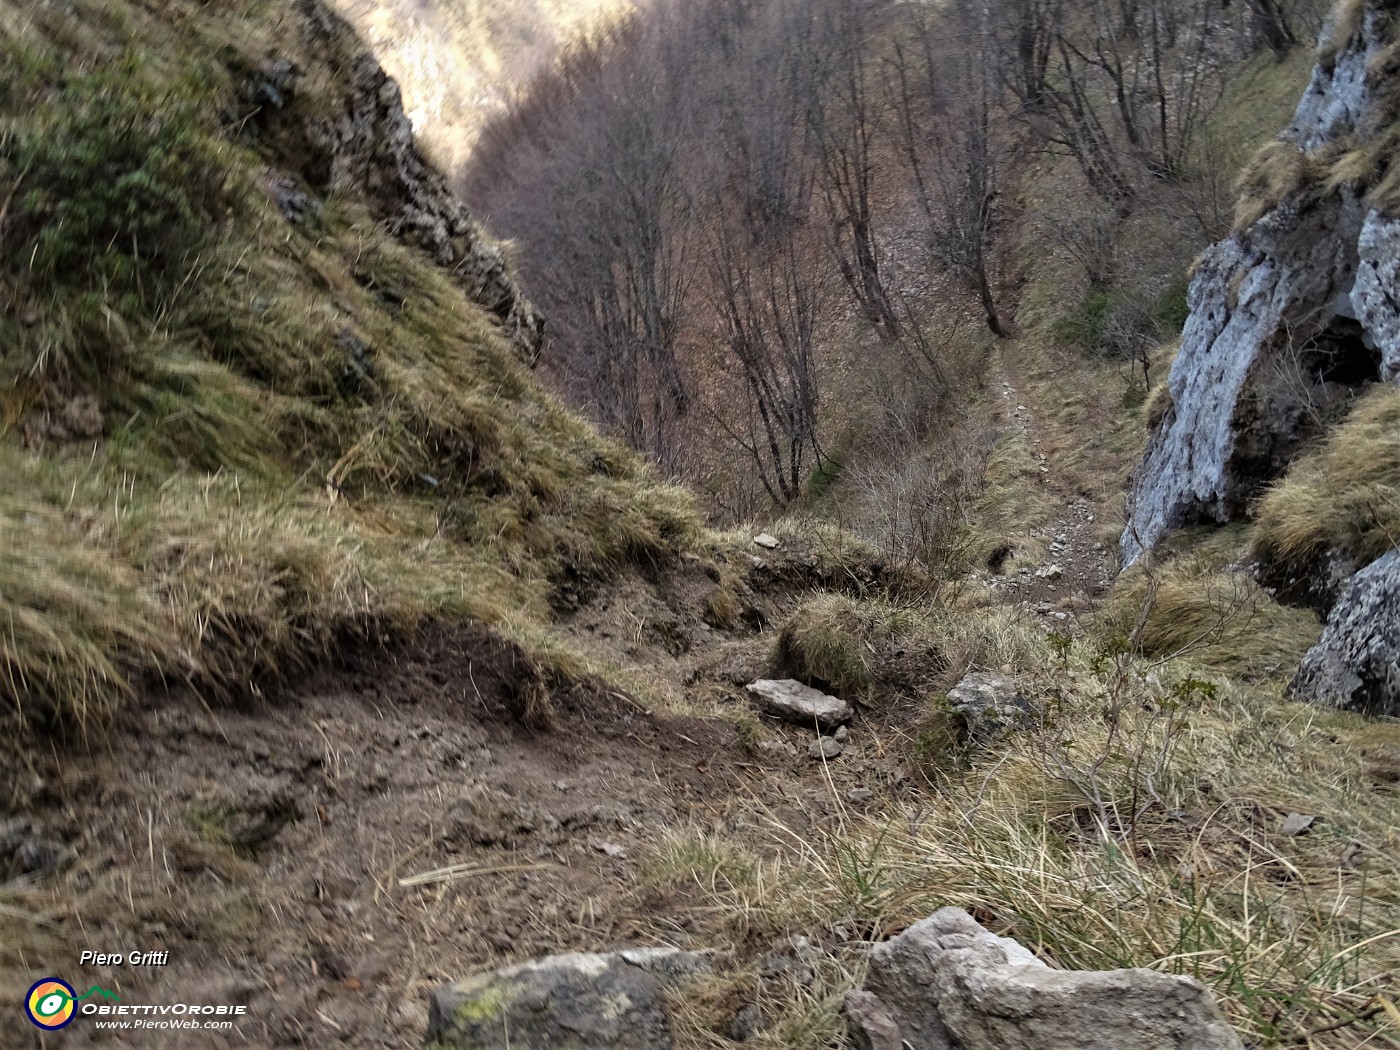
x=1076 y=565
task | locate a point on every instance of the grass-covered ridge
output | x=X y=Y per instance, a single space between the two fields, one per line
x=230 y=438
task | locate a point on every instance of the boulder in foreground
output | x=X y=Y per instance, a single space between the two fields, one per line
x=947 y=984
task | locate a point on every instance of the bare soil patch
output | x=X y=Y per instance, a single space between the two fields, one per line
x=327 y=856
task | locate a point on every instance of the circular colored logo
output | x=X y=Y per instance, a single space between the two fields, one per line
x=50 y=1003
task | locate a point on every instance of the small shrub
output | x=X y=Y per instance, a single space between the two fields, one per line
x=1171 y=310
x=1083 y=325
x=120 y=184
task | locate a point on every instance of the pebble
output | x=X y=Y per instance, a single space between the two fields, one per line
x=825 y=747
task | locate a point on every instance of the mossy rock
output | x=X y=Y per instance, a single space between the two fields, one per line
x=565 y=1002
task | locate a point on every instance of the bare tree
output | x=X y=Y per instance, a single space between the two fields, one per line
x=842 y=122
x=764 y=277
x=591 y=187
x=1125 y=85
x=942 y=99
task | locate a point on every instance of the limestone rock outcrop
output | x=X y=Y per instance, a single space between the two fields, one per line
x=800 y=704
x=348 y=134
x=579 y=1001
x=1356 y=662
x=1287 y=316
x=947 y=984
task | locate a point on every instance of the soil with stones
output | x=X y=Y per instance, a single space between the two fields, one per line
x=327 y=857
x=1077 y=566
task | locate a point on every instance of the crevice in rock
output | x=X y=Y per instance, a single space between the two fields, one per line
x=1295 y=397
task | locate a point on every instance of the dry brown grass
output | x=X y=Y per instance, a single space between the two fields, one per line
x=1345 y=496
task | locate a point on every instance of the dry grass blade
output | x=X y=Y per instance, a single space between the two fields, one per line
x=458 y=872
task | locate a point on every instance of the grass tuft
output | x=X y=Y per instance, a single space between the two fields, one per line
x=1343 y=497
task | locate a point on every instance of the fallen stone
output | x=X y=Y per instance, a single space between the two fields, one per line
x=1297 y=824
x=564 y=1002
x=1356 y=663
x=825 y=747
x=781 y=746
x=947 y=984
x=1051 y=572
x=989 y=704
x=858 y=795
x=767 y=542
x=800 y=704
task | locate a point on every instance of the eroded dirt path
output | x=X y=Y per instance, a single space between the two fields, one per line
x=329 y=856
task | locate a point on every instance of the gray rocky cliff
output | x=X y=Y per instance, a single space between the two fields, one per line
x=334 y=121
x=1356 y=663
x=1288 y=316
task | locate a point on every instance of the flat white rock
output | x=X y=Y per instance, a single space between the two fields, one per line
x=800 y=704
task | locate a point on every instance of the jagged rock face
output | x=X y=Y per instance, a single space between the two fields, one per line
x=1356 y=663
x=1286 y=317
x=947 y=984
x=1377 y=289
x=348 y=134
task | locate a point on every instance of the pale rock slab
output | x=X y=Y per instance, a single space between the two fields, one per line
x=947 y=984
x=802 y=705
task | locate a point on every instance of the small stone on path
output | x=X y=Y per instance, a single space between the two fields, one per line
x=825 y=747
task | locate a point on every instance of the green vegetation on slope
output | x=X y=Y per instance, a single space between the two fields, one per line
x=230 y=439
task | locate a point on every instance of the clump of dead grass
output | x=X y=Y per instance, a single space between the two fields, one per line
x=855 y=647
x=1196 y=601
x=1344 y=496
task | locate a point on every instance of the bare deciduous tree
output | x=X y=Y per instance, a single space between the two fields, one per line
x=942 y=99
x=843 y=123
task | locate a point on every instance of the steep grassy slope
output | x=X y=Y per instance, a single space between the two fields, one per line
x=247 y=405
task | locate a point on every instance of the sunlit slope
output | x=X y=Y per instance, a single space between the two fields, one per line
x=457 y=60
